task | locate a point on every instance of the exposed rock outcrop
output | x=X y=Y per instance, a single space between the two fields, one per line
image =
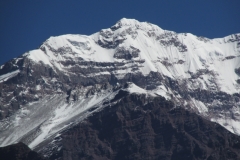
x=19 y=151
x=137 y=127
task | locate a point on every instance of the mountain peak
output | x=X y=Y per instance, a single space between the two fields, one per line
x=128 y=22
x=73 y=76
x=125 y=22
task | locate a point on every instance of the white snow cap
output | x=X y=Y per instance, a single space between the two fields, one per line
x=128 y=22
x=132 y=88
x=135 y=23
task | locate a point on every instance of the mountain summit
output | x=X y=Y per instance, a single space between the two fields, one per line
x=47 y=92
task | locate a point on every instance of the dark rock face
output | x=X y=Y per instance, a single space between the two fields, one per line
x=123 y=53
x=22 y=89
x=137 y=127
x=171 y=39
x=19 y=151
x=237 y=71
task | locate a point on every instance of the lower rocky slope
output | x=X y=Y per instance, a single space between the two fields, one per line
x=139 y=127
x=19 y=151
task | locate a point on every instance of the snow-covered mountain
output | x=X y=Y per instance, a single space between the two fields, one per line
x=70 y=77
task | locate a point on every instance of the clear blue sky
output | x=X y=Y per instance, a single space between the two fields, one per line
x=26 y=24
